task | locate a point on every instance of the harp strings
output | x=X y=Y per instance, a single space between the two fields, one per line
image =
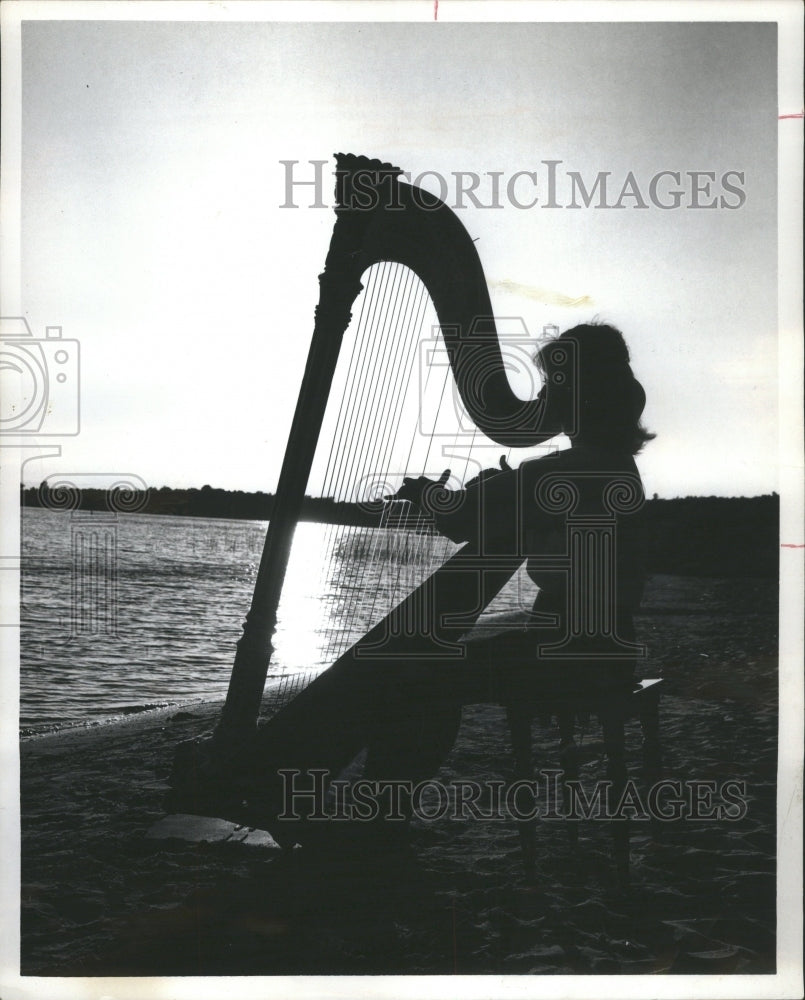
x=393 y=546
x=368 y=443
x=370 y=438
x=338 y=538
x=413 y=549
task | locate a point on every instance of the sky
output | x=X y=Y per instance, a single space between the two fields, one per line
x=153 y=232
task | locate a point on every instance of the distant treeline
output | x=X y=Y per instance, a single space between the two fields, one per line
x=714 y=536
x=708 y=536
x=204 y=502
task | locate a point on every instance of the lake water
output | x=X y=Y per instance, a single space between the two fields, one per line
x=125 y=612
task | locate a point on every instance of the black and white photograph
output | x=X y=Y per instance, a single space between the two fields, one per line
x=402 y=499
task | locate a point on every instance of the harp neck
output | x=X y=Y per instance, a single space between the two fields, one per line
x=390 y=220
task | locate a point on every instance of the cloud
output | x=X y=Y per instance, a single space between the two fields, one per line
x=543 y=295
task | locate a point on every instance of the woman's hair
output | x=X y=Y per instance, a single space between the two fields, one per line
x=608 y=398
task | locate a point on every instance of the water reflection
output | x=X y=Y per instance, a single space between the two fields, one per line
x=183 y=586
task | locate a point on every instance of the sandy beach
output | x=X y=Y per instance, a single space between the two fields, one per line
x=100 y=898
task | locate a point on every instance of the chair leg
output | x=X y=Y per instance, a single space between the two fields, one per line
x=569 y=761
x=519 y=720
x=612 y=721
x=650 y=726
x=652 y=752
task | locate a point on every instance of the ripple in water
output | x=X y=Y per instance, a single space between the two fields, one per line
x=134 y=611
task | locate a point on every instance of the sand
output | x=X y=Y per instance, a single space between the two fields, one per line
x=99 y=897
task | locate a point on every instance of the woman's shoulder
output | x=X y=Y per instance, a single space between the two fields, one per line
x=588 y=470
x=580 y=459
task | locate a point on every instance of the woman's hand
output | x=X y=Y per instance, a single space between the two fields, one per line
x=416 y=490
x=485 y=474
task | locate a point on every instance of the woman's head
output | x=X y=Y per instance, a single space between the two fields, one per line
x=602 y=401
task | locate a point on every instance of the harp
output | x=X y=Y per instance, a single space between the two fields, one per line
x=381 y=222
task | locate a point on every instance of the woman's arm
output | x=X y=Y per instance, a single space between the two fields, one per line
x=483 y=513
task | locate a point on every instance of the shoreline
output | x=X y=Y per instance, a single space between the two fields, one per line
x=143 y=718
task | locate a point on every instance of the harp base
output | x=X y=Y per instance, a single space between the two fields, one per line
x=207 y=782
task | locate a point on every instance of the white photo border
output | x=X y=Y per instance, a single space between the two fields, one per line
x=787 y=982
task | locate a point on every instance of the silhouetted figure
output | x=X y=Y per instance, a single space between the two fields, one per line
x=574 y=516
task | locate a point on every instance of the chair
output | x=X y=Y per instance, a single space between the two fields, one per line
x=613 y=709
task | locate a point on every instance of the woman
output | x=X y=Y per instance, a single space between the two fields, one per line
x=575 y=517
